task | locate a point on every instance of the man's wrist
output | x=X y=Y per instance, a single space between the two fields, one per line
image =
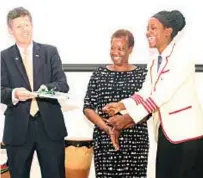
x=15 y=99
x=15 y=93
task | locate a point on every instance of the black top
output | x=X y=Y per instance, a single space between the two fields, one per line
x=106 y=86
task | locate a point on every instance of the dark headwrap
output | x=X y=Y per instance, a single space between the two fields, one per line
x=171 y=19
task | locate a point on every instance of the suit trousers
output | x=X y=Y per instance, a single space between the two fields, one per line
x=183 y=160
x=51 y=154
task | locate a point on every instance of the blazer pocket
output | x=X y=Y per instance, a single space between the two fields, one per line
x=180 y=110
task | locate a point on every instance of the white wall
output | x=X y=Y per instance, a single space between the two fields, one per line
x=82 y=29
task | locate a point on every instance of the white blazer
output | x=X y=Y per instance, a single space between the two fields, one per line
x=170 y=95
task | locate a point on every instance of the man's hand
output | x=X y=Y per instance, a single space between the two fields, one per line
x=42 y=88
x=113 y=108
x=23 y=94
x=120 y=122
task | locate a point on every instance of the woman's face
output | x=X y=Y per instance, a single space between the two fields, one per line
x=120 y=51
x=158 y=36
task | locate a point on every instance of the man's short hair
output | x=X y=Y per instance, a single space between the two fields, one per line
x=17 y=12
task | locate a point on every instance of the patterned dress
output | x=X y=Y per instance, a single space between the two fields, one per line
x=106 y=86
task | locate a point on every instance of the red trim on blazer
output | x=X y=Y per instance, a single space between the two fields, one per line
x=146 y=107
x=149 y=105
x=151 y=70
x=165 y=71
x=163 y=67
x=135 y=98
x=160 y=74
x=138 y=99
x=153 y=103
x=179 y=110
x=179 y=141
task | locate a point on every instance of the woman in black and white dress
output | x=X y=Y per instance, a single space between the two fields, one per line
x=108 y=84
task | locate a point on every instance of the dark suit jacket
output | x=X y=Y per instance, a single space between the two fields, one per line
x=48 y=71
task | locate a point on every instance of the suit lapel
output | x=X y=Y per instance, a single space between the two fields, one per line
x=19 y=64
x=163 y=66
x=37 y=64
x=158 y=75
x=152 y=72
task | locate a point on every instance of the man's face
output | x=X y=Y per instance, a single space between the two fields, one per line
x=21 y=29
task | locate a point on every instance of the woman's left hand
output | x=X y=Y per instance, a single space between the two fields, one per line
x=114 y=136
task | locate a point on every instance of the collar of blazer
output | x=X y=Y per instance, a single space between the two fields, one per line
x=19 y=63
x=155 y=77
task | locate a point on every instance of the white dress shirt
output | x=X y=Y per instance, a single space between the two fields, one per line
x=30 y=53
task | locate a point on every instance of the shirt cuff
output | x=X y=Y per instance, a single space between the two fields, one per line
x=136 y=112
x=14 y=99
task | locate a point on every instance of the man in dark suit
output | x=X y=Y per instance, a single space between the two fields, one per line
x=31 y=123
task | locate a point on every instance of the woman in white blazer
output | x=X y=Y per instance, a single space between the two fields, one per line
x=168 y=93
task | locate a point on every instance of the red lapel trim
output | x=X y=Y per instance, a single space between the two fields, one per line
x=163 y=67
x=151 y=71
x=165 y=71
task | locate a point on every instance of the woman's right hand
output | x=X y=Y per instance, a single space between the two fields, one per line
x=114 y=136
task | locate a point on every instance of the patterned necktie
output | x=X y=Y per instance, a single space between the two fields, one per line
x=159 y=62
x=29 y=70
